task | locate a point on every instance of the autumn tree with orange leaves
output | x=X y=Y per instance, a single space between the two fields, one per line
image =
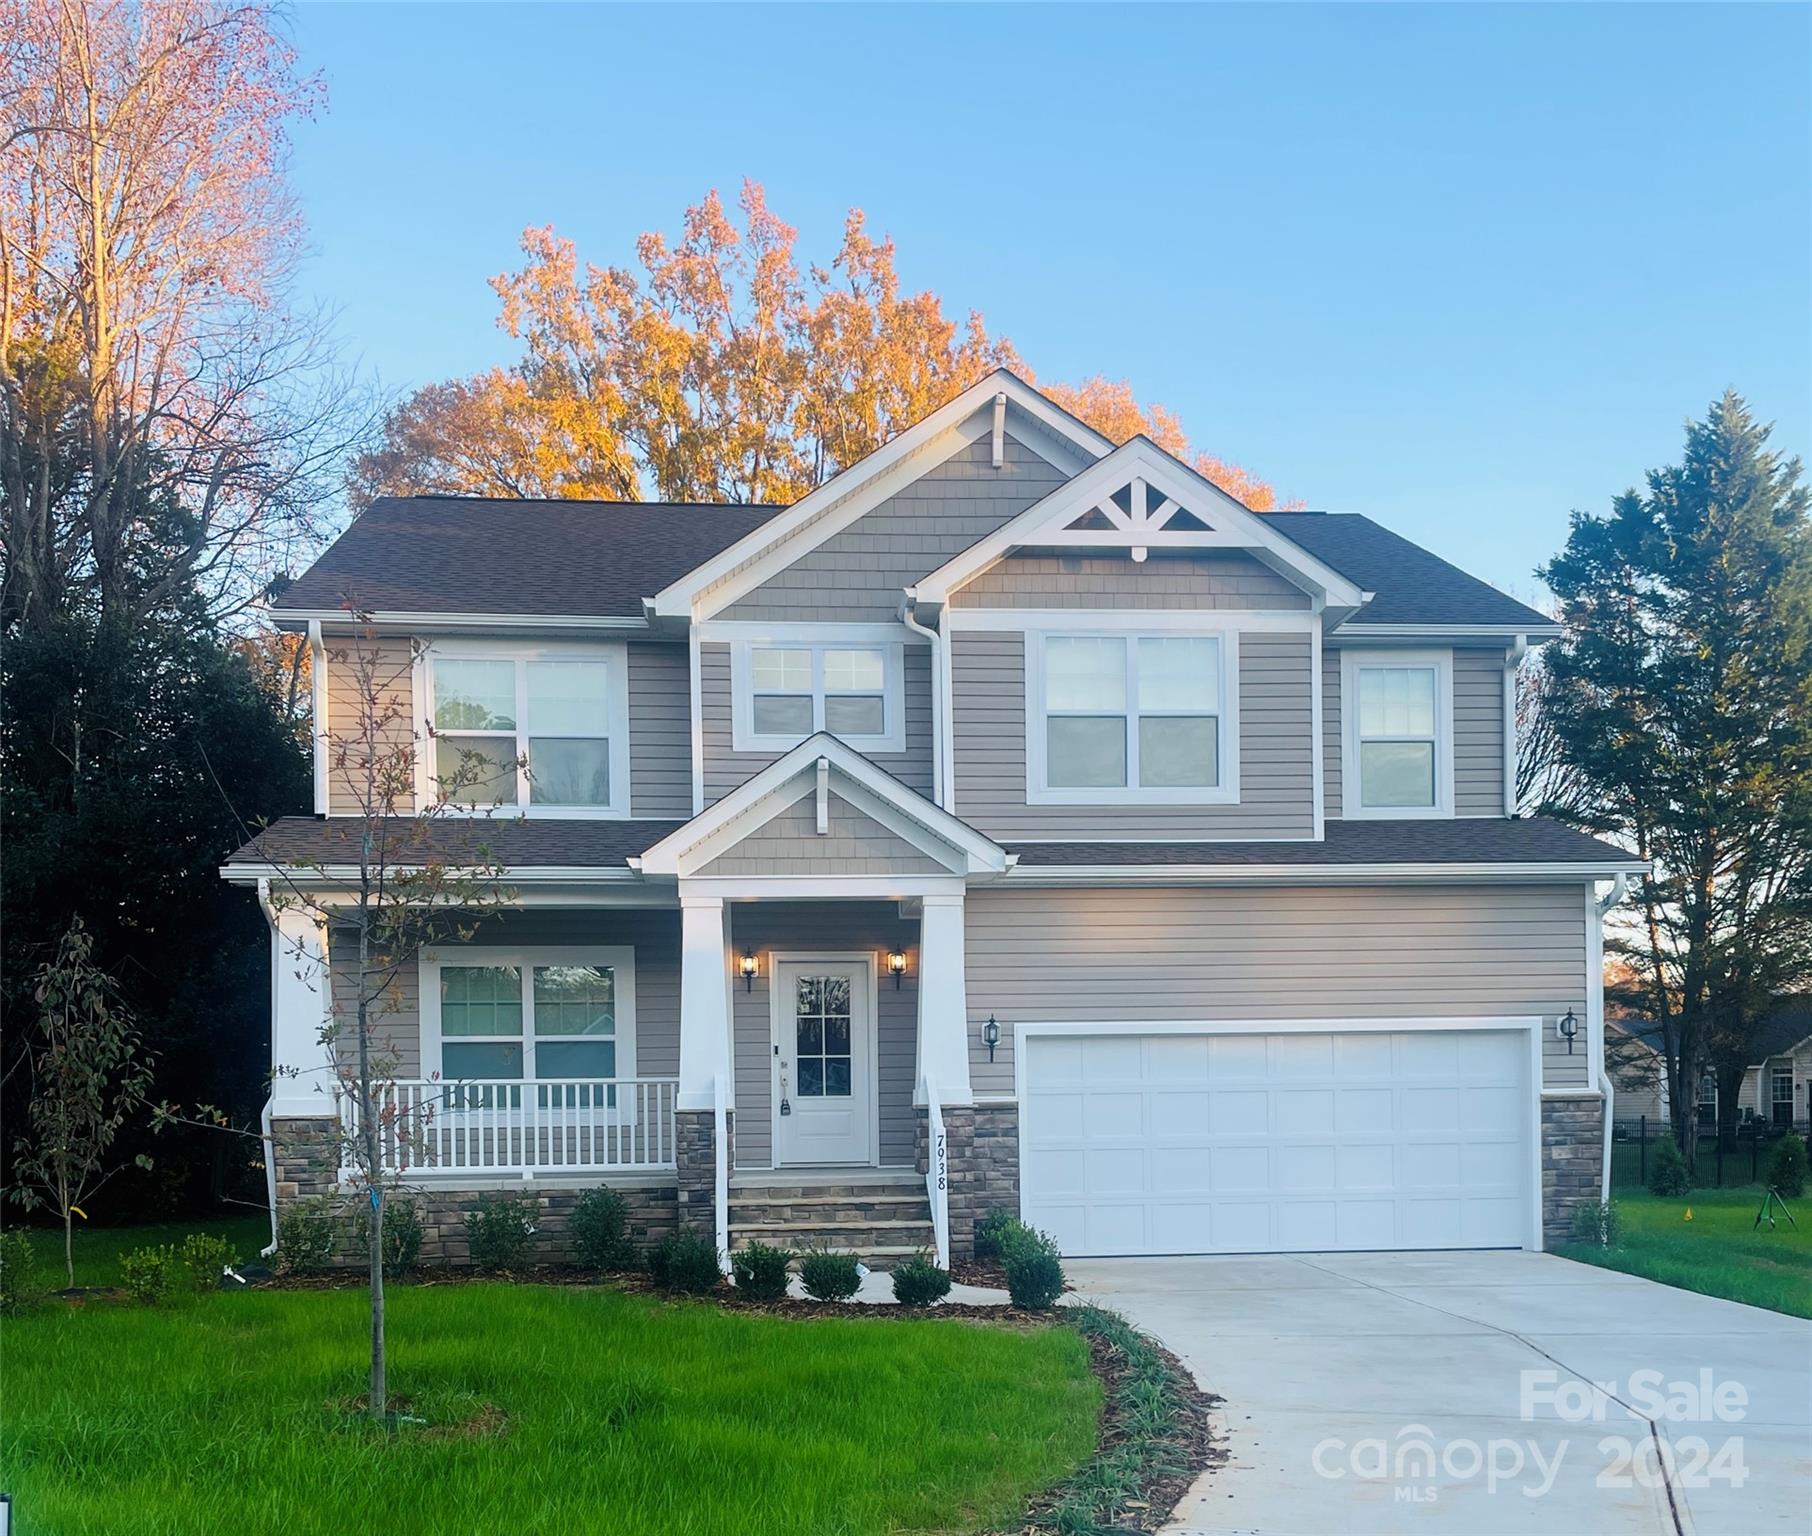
x=717 y=370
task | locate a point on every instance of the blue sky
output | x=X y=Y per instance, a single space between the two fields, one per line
x=1462 y=268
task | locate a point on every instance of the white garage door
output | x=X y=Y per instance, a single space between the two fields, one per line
x=1246 y=1143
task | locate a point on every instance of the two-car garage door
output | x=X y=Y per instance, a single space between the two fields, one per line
x=1294 y=1141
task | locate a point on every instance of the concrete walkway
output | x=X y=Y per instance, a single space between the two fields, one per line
x=1346 y=1375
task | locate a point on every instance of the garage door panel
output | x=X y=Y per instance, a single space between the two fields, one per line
x=1291 y=1141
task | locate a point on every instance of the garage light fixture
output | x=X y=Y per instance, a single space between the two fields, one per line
x=990 y=1036
x=1567 y=1027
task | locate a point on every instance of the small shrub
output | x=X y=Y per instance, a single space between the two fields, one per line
x=304 y=1237
x=988 y=1232
x=1598 y=1222
x=1787 y=1168
x=600 y=1229
x=201 y=1259
x=760 y=1271
x=402 y=1235
x=920 y=1283
x=150 y=1274
x=830 y=1276
x=19 y=1284
x=1034 y=1279
x=499 y=1231
x=685 y=1260
x=1667 y=1169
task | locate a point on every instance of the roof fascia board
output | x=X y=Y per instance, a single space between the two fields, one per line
x=401 y=619
x=850 y=493
x=1310 y=874
x=1361 y=632
x=1237 y=527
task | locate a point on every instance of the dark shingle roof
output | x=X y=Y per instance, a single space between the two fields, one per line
x=1463 y=840
x=514 y=841
x=455 y=554
x=1411 y=586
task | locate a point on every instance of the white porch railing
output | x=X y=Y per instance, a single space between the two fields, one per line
x=937 y=1172
x=513 y=1126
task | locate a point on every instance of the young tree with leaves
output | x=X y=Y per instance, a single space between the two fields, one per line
x=1680 y=699
x=88 y=1073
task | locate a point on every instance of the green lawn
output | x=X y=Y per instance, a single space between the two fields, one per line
x=98 y=1249
x=620 y=1413
x=1717 y=1252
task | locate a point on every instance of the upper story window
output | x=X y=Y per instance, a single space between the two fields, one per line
x=1130 y=718
x=1397 y=755
x=785 y=690
x=535 y=730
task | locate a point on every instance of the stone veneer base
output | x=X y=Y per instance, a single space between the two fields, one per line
x=1572 y=1160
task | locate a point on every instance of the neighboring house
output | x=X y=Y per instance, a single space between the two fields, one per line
x=1778 y=1088
x=1638 y=1072
x=1159 y=852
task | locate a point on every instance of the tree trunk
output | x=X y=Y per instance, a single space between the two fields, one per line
x=68 y=1246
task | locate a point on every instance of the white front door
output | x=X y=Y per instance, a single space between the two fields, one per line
x=824 y=1061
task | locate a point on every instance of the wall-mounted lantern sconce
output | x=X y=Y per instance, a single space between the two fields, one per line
x=896 y=966
x=991 y=1036
x=1567 y=1027
x=748 y=967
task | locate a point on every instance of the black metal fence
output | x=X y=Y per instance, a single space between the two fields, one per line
x=1732 y=1161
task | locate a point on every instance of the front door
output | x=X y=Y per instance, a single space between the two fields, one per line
x=824 y=1061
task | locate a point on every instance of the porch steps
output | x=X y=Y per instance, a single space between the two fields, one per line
x=881 y=1220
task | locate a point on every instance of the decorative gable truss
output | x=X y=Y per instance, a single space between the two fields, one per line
x=825 y=815
x=1139 y=498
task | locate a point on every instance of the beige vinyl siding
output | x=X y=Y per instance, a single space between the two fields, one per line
x=1163 y=580
x=1478 y=733
x=1277 y=796
x=824 y=927
x=726 y=769
x=1386 y=952
x=660 y=731
x=860 y=574
x=1331 y=766
x=654 y=935
x=856 y=844
x=368 y=681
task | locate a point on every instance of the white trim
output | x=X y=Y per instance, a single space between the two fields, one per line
x=401 y=618
x=1133 y=620
x=1225 y=791
x=1532 y=1025
x=1352 y=803
x=317 y=678
x=1317 y=736
x=1594 y=989
x=1310 y=874
x=619 y=957
x=821 y=887
x=745 y=738
x=1177 y=486
x=804 y=632
x=673 y=854
x=872 y=1022
x=833 y=506
x=613 y=654
x=695 y=684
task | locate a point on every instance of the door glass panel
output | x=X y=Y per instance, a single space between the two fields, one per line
x=821 y=1022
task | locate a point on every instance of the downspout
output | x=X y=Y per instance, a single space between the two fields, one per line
x=317 y=681
x=938 y=724
x=264 y=1116
x=1619 y=889
x=1512 y=659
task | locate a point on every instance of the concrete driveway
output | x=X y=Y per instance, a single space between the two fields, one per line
x=1453 y=1393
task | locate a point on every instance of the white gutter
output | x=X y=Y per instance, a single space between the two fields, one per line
x=328 y=874
x=1351 y=874
x=264 y=1115
x=301 y=618
x=940 y=726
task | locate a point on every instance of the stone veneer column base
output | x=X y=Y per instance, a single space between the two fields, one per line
x=696 y=1150
x=982 y=1154
x=1572 y=1160
x=306 y=1154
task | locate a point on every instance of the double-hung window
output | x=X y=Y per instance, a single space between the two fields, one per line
x=787 y=689
x=519 y=1015
x=1780 y=1102
x=1129 y=717
x=1398 y=749
x=541 y=732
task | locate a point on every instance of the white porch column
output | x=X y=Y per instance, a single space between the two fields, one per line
x=301 y=1006
x=943 y=1001
x=704 y=1053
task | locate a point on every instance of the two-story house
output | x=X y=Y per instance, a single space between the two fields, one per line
x=1015 y=821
